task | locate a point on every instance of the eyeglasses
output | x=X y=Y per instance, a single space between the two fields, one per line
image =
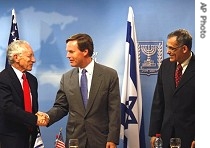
x=173 y=48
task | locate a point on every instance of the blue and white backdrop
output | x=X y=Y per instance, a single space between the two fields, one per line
x=46 y=25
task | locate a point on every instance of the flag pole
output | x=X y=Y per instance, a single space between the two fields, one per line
x=60 y=129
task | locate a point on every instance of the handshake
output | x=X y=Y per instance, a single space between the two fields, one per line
x=42 y=118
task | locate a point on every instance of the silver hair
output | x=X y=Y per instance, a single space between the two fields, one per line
x=15 y=48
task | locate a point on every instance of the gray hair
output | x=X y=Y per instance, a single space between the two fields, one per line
x=15 y=48
x=183 y=37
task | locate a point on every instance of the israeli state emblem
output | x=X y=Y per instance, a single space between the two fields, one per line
x=150 y=56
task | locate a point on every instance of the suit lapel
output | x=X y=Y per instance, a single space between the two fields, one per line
x=171 y=72
x=189 y=72
x=74 y=81
x=15 y=82
x=95 y=85
x=33 y=90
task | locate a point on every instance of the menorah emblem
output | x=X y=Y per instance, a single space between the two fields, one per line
x=148 y=50
x=150 y=56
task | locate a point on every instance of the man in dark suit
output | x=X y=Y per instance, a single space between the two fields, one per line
x=173 y=107
x=96 y=125
x=18 y=127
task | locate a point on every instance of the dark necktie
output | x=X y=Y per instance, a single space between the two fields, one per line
x=27 y=96
x=84 y=87
x=178 y=74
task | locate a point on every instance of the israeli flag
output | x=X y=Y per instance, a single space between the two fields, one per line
x=131 y=101
x=39 y=143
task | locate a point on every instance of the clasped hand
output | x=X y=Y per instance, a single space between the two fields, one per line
x=42 y=118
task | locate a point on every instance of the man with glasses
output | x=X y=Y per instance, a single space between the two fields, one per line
x=173 y=106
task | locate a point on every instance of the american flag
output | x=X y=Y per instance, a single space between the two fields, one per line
x=14 y=35
x=59 y=143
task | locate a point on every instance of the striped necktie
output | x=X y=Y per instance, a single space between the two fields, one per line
x=178 y=74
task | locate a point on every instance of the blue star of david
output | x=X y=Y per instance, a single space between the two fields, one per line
x=127 y=116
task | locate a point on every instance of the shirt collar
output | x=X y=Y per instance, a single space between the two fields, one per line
x=186 y=62
x=89 y=68
x=18 y=73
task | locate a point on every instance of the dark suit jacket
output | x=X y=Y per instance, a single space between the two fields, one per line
x=173 y=109
x=100 y=122
x=14 y=121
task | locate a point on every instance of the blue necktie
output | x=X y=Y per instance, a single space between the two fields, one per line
x=84 y=87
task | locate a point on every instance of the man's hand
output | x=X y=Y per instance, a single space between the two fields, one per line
x=42 y=118
x=152 y=141
x=111 y=145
